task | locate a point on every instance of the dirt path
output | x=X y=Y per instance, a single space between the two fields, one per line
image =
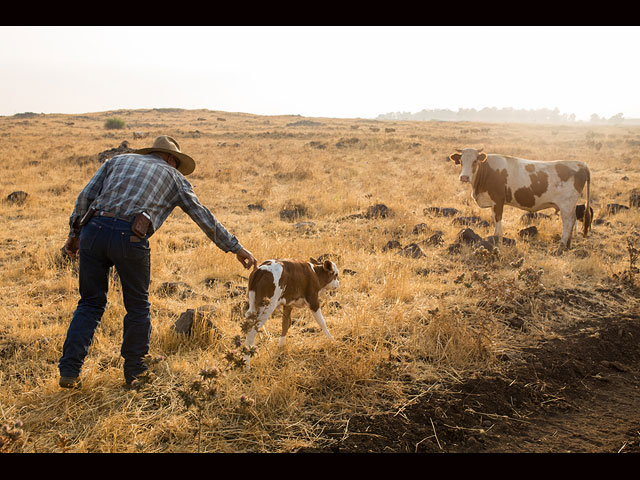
x=591 y=402
x=576 y=392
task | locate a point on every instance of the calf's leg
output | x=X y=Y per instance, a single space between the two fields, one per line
x=263 y=315
x=286 y=323
x=317 y=315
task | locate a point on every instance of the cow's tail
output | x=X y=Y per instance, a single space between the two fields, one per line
x=587 y=209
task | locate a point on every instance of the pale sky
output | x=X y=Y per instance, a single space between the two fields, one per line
x=338 y=72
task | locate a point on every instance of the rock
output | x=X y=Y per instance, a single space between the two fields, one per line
x=468 y=237
x=472 y=220
x=613 y=208
x=187 y=319
x=493 y=239
x=379 y=210
x=412 y=251
x=211 y=281
x=17 y=198
x=420 y=228
x=391 y=245
x=441 y=212
x=107 y=154
x=435 y=239
x=293 y=212
x=235 y=290
x=347 y=142
x=255 y=207
x=529 y=232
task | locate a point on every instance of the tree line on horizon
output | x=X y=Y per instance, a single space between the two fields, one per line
x=503 y=115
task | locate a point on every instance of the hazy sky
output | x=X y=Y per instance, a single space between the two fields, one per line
x=342 y=72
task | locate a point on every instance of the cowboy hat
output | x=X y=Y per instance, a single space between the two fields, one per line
x=166 y=144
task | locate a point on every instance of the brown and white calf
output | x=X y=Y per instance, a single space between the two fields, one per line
x=291 y=284
x=531 y=185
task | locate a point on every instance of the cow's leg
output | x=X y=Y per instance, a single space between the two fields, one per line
x=497 y=219
x=286 y=323
x=568 y=216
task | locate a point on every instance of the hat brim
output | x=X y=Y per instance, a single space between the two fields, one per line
x=187 y=164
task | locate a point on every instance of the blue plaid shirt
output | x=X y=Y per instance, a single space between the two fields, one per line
x=132 y=183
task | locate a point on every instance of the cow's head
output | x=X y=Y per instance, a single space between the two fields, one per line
x=327 y=273
x=469 y=158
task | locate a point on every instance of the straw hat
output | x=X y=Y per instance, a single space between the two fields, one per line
x=166 y=144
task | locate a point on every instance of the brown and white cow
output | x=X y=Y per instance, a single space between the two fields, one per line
x=499 y=180
x=289 y=283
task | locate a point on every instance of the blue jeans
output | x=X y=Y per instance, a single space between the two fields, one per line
x=107 y=242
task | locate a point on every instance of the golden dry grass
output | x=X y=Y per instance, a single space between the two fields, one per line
x=400 y=323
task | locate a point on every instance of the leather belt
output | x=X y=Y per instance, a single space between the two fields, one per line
x=102 y=213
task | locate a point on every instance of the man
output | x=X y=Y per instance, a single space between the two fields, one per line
x=125 y=202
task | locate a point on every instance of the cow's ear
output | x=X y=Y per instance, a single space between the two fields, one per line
x=327 y=266
x=314 y=261
x=482 y=157
x=455 y=157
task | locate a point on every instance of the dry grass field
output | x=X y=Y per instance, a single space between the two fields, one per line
x=442 y=350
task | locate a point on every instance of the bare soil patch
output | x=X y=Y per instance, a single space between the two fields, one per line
x=576 y=391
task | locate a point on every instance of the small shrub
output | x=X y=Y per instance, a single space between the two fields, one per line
x=10 y=433
x=114 y=123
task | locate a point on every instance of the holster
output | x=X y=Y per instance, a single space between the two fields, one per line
x=140 y=225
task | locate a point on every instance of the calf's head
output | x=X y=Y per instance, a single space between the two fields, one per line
x=469 y=158
x=327 y=273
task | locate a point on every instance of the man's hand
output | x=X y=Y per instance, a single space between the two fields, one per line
x=71 y=247
x=246 y=258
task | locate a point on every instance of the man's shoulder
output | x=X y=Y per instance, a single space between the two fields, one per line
x=136 y=159
x=136 y=156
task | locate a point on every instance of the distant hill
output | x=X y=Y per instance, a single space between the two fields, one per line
x=504 y=115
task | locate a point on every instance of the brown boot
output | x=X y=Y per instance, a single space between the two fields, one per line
x=69 y=382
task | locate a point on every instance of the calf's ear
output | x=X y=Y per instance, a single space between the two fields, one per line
x=455 y=157
x=482 y=157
